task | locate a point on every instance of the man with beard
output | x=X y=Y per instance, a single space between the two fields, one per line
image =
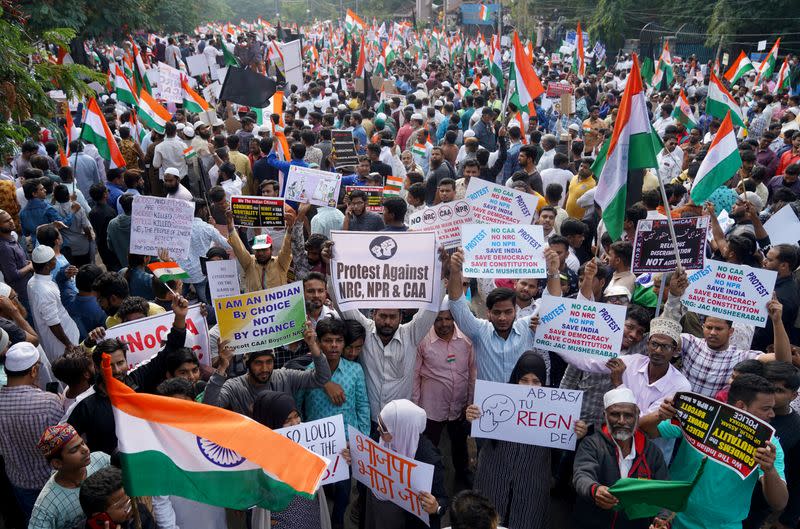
x=14 y=264
x=238 y=394
x=93 y=417
x=721 y=498
x=173 y=187
x=111 y=289
x=438 y=171
x=262 y=270
x=316 y=293
x=618 y=450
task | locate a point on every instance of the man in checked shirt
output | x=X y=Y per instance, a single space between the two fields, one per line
x=708 y=362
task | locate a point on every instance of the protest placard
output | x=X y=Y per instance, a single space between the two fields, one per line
x=580 y=327
x=161 y=223
x=732 y=292
x=555 y=89
x=169 y=83
x=223 y=278
x=257 y=212
x=389 y=475
x=324 y=437
x=386 y=270
x=444 y=219
x=503 y=250
x=496 y=204
x=197 y=65
x=374 y=196
x=727 y=435
x=527 y=414
x=783 y=227
x=344 y=148
x=146 y=336
x=262 y=320
x=653 y=250
x=312 y=186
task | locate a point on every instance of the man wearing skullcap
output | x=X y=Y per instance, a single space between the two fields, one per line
x=619 y=450
x=25 y=411
x=58 y=505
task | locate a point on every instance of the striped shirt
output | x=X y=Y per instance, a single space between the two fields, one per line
x=25 y=411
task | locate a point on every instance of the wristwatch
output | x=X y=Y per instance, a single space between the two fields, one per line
x=439 y=510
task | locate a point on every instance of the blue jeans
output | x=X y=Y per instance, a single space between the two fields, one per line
x=25 y=499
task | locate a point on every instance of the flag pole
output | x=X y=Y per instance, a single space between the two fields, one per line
x=670 y=224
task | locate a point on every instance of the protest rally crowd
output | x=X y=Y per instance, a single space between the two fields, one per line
x=381 y=277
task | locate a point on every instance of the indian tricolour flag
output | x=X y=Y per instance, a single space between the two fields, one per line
x=526 y=83
x=767 y=66
x=353 y=21
x=631 y=147
x=192 y=101
x=719 y=102
x=740 y=66
x=580 y=55
x=683 y=112
x=96 y=131
x=719 y=165
x=393 y=185
x=664 y=71
x=483 y=13
x=152 y=113
x=174 y=447
x=168 y=271
x=783 y=77
x=122 y=86
x=496 y=62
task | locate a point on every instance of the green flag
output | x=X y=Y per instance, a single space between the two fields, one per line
x=229 y=58
x=645 y=498
x=648 y=69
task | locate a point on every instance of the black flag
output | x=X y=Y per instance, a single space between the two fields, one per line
x=247 y=87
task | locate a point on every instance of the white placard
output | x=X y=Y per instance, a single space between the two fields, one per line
x=496 y=204
x=324 y=437
x=731 y=292
x=197 y=64
x=503 y=250
x=389 y=475
x=762 y=45
x=312 y=186
x=444 y=219
x=293 y=63
x=527 y=414
x=169 y=83
x=145 y=336
x=578 y=327
x=223 y=278
x=783 y=227
x=374 y=270
x=161 y=223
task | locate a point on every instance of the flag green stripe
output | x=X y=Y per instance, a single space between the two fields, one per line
x=125 y=96
x=642 y=151
x=614 y=214
x=191 y=106
x=153 y=473
x=718 y=109
x=145 y=118
x=98 y=140
x=718 y=175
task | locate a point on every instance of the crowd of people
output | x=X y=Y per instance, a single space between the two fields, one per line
x=403 y=377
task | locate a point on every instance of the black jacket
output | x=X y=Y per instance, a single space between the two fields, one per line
x=596 y=464
x=93 y=417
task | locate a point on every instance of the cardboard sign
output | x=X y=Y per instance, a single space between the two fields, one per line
x=727 y=435
x=783 y=227
x=732 y=292
x=496 y=204
x=344 y=148
x=146 y=336
x=374 y=196
x=653 y=250
x=197 y=64
x=445 y=219
x=389 y=475
x=161 y=223
x=324 y=437
x=527 y=414
x=223 y=278
x=262 y=320
x=555 y=89
x=169 y=83
x=503 y=250
x=257 y=212
x=398 y=270
x=580 y=327
x=312 y=186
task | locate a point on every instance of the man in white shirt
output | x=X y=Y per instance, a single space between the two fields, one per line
x=56 y=328
x=548 y=143
x=670 y=160
x=664 y=119
x=173 y=186
x=169 y=153
x=558 y=174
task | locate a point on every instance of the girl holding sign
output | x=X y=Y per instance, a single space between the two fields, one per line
x=515 y=476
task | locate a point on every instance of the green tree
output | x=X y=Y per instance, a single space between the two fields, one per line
x=608 y=22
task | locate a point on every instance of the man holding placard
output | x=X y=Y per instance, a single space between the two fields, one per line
x=721 y=496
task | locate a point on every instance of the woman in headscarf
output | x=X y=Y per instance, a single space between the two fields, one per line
x=515 y=476
x=277 y=410
x=400 y=424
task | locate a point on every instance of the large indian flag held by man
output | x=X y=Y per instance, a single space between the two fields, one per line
x=719 y=165
x=96 y=131
x=631 y=147
x=527 y=84
x=176 y=447
x=720 y=102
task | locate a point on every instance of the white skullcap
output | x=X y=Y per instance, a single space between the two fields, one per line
x=417 y=117
x=750 y=196
x=42 y=254
x=445 y=304
x=469 y=133
x=172 y=171
x=21 y=356
x=188 y=131
x=5 y=290
x=620 y=395
x=667 y=327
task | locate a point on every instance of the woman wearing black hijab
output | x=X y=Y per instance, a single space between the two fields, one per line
x=515 y=476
